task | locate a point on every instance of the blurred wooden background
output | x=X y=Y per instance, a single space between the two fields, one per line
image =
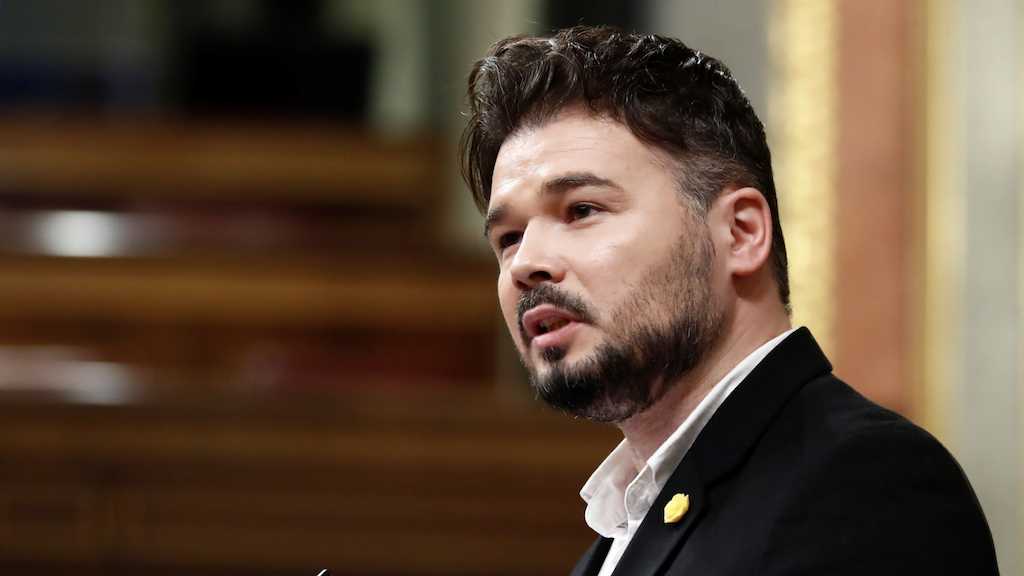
x=386 y=484
x=316 y=394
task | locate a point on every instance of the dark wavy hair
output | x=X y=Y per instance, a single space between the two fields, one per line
x=670 y=96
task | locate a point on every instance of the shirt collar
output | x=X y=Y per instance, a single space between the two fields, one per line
x=605 y=491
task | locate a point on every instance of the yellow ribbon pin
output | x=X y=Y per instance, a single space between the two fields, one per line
x=676 y=508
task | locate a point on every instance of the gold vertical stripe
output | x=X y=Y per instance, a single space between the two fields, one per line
x=803 y=113
x=945 y=239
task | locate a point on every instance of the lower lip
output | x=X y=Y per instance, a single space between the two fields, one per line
x=556 y=338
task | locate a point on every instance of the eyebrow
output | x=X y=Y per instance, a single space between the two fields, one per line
x=555 y=186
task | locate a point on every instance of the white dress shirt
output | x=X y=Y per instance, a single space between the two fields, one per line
x=618 y=495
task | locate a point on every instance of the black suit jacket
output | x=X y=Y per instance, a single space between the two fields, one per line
x=797 y=473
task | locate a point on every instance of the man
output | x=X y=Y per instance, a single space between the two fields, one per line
x=630 y=203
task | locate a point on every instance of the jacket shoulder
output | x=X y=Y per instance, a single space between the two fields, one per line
x=876 y=493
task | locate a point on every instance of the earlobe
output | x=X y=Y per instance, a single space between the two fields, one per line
x=750 y=230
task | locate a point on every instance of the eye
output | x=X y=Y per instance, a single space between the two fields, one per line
x=508 y=239
x=581 y=210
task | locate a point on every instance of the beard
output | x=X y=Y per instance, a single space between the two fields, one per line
x=650 y=353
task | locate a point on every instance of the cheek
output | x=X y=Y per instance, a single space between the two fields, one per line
x=610 y=269
x=619 y=275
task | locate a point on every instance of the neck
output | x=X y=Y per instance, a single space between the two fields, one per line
x=646 y=431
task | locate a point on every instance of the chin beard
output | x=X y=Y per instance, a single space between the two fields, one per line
x=618 y=381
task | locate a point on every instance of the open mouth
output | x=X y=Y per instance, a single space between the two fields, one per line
x=551 y=324
x=545 y=320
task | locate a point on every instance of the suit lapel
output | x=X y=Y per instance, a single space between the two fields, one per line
x=655 y=540
x=731 y=433
x=724 y=443
x=590 y=563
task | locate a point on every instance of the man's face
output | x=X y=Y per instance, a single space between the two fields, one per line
x=605 y=274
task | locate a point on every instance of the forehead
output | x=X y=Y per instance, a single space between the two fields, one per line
x=574 y=141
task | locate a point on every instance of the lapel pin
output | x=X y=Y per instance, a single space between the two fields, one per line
x=676 y=508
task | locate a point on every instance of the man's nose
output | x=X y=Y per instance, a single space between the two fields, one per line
x=536 y=260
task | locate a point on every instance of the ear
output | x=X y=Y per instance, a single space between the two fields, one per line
x=745 y=221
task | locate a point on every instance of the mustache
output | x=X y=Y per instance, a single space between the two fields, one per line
x=548 y=294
